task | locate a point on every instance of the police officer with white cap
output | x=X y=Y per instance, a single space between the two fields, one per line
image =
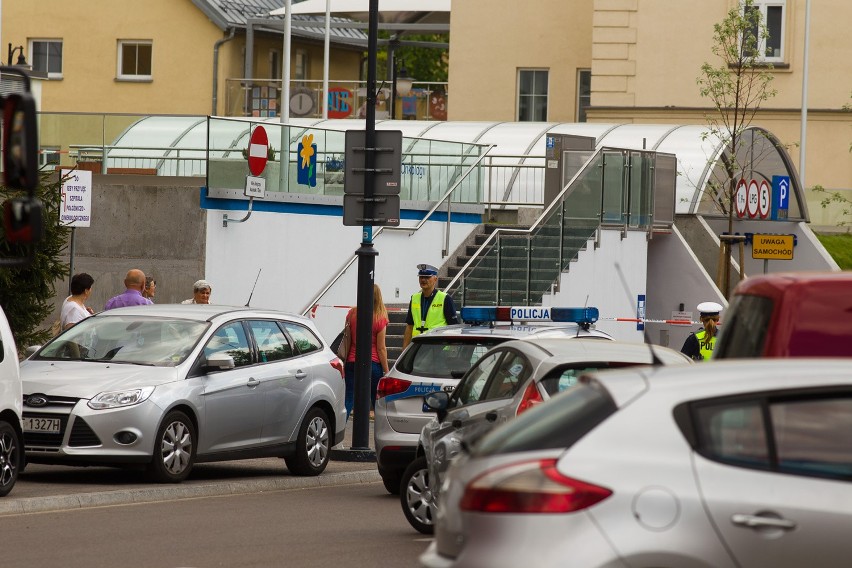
x=429 y=308
x=699 y=345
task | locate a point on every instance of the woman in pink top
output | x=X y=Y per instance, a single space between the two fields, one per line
x=379 y=352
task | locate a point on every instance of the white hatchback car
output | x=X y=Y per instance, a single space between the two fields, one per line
x=742 y=464
x=167 y=386
x=437 y=359
x=11 y=449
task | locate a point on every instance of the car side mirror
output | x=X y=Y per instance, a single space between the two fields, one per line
x=219 y=362
x=30 y=350
x=438 y=401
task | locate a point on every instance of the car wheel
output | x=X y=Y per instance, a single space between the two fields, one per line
x=174 y=449
x=416 y=496
x=391 y=480
x=10 y=457
x=312 y=446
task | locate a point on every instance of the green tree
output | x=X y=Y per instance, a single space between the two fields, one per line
x=736 y=88
x=425 y=64
x=27 y=292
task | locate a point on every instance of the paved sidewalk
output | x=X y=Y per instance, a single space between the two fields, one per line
x=54 y=488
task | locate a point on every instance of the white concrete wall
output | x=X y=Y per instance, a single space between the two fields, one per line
x=300 y=253
x=610 y=278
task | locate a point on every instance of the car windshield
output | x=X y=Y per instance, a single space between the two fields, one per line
x=139 y=340
x=440 y=358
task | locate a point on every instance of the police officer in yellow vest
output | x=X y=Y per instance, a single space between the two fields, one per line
x=699 y=345
x=429 y=308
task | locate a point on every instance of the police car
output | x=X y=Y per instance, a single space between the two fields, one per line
x=437 y=359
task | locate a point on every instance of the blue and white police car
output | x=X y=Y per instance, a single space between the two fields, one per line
x=437 y=359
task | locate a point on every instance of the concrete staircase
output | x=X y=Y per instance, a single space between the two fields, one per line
x=517 y=269
x=395 y=330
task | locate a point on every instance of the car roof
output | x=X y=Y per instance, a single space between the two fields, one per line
x=512 y=331
x=621 y=351
x=771 y=284
x=198 y=312
x=725 y=377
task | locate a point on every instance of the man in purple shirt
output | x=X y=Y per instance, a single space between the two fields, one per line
x=135 y=284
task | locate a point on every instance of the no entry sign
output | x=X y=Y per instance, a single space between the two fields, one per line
x=258 y=145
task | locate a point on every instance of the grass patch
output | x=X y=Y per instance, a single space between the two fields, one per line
x=839 y=247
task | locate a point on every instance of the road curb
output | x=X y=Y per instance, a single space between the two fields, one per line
x=159 y=493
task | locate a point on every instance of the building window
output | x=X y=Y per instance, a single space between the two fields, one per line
x=134 y=60
x=772 y=15
x=301 y=71
x=532 y=95
x=274 y=64
x=46 y=57
x=584 y=93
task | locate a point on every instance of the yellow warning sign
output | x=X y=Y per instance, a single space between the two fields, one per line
x=772 y=247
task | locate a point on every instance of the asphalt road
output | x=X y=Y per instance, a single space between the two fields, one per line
x=347 y=525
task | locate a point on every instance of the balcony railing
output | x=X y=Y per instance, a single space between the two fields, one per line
x=261 y=98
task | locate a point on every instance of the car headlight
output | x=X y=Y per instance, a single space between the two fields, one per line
x=118 y=399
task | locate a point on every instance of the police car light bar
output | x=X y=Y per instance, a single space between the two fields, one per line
x=483 y=314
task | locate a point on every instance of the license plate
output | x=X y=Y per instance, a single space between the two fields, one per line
x=48 y=425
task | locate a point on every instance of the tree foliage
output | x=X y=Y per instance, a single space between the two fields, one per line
x=425 y=64
x=27 y=292
x=736 y=87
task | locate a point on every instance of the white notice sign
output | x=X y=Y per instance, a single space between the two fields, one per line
x=76 y=208
x=255 y=186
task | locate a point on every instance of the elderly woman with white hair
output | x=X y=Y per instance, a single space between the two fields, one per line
x=200 y=293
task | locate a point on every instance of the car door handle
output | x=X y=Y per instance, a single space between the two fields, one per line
x=757 y=521
x=491 y=416
x=252 y=382
x=300 y=374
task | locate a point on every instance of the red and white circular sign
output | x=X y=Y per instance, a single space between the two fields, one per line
x=765 y=200
x=258 y=145
x=740 y=198
x=753 y=199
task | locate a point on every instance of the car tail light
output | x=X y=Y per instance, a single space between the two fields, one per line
x=338 y=364
x=389 y=385
x=530 y=487
x=531 y=398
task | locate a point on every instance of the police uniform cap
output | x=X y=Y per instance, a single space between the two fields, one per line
x=426 y=270
x=709 y=308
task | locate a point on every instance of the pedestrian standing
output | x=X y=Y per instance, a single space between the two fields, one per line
x=134 y=282
x=201 y=291
x=379 y=351
x=74 y=308
x=699 y=345
x=429 y=308
x=150 y=288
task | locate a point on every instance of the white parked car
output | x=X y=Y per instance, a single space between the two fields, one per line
x=11 y=449
x=168 y=386
x=744 y=464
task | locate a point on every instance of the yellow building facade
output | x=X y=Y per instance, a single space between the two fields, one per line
x=645 y=57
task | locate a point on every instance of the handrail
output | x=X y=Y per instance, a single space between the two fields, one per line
x=558 y=199
x=414 y=229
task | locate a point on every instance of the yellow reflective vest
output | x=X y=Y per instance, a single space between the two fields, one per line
x=435 y=315
x=705 y=346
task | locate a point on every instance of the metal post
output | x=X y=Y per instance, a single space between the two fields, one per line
x=366 y=255
x=71 y=258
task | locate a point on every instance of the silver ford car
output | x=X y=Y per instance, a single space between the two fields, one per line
x=168 y=386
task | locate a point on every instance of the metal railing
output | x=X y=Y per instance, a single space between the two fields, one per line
x=261 y=98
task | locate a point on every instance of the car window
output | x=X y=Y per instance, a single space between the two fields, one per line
x=557 y=424
x=743 y=331
x=303 y=338
x=510 y=374
x=439 y=359
x=472 y=386
x=272 y=344
x=810 y=436
x=566 y=376
x=231 y=339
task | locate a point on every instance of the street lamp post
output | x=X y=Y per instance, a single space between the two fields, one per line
x=22 y=61
x=402 y=84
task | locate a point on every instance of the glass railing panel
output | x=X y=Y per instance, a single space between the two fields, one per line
x=545 y=255
x=640 y=190
x=513 y=280
x=478 y=284
x=613 y=204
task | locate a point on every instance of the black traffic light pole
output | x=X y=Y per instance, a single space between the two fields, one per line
x=366 y=255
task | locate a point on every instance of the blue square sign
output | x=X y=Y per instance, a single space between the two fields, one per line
x=781 y=189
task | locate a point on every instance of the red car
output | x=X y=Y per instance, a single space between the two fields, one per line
x=796 y=314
